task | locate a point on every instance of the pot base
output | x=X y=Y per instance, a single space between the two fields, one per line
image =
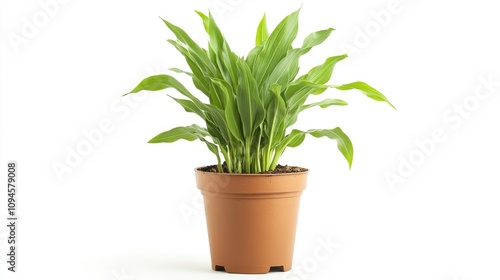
x=251 y=269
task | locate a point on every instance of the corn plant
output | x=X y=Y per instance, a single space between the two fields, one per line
x=250 y=103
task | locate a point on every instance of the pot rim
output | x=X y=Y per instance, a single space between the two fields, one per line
x=236 y=183
x=196 y=169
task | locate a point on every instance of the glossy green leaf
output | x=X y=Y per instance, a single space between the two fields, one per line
x=189 y=133
x=324 y=104
x=189 y=106
x=177 y=70
x=160 y=82
x=275 y=48
x=344 y=144
x=199 y=71
x=293 y=139
x=262 y=32
x=232 y=116
x=275 y=113
x=179 y=133
x=183 y=37
x=321 y=74
x=249 y=105
x=316 y=38
x=367 y=90
x=205 y=20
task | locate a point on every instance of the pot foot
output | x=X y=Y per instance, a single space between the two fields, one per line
x=250 y=270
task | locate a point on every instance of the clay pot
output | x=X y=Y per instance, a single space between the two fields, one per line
x=251 y=219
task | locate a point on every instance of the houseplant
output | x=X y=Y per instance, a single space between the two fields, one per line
x=248 y=106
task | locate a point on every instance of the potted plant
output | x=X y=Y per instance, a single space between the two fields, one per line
x=248 y=105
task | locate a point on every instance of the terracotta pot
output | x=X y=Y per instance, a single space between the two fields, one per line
x=251 y=219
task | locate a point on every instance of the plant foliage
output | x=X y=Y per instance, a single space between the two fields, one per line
x=250 y=103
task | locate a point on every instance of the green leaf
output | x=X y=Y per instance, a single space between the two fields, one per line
x=275 y=115
x=206 y=22
x=316 y=38
x=216 y=40
x=232 y=116
x=229 y=68
x=183 y=37
x=286 y=70
x=159 y=82
x=293 y=139
x=216 y=98
x=189 y=106
x=343 y=142
x=324 y=104
x=215 y=150
x=189 y=133
x=249 y=105
x=296 y=137
x=321 y=74
x=262 y=32
x=221 y=90
x=295 y=96
x=196 y=57
x=275 y=48
x=202 y=133
x=367 y=90
x=199 y=70
x=177 y=70
x=218 y=127
x=175 y=134
x=288 y=67
x=233 y=119
x=220 y=53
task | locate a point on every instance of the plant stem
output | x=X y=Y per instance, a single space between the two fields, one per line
x=277 y=155
x=258 y=157
x=267 y=158
x=248 y=158
x=229 y=161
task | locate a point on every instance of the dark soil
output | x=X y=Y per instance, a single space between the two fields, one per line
x=278 y=170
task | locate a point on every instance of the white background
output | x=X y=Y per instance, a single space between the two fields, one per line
x=116 y=214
